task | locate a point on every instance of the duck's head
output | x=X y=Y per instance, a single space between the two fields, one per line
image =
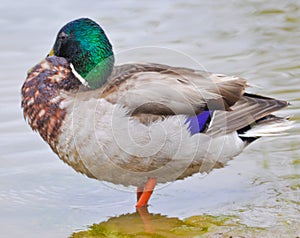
x=84 y=44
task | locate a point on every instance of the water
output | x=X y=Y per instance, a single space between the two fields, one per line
x=42 y=197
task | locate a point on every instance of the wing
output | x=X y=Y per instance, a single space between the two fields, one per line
x=164 y=90
x=246 y=111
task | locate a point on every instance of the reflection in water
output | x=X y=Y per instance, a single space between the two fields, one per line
x=144 y=224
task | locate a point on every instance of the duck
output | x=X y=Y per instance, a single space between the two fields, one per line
x=139 y=124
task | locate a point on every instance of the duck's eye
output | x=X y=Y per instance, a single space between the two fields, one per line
x=63 y=36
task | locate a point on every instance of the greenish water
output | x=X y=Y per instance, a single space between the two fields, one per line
x=258 y=192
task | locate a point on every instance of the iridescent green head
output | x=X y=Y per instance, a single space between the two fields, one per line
x=84 y=44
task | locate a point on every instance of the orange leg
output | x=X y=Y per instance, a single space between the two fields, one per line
x=144 y=195
x=139 y=192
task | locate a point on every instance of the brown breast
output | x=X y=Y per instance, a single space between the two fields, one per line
x=42 y=96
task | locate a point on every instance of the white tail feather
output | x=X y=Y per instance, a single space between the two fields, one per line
x=269 y=128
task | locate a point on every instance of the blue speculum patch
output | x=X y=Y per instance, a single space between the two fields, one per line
x=198 y=123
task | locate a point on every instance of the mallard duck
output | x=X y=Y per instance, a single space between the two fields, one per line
x=139 y=124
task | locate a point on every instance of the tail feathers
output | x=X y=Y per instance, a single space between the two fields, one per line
x=247 y=111
x=268 y=126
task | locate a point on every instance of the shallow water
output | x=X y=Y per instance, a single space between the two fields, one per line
x=42 y=197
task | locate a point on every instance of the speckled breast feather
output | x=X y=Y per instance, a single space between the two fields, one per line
x=41 y=96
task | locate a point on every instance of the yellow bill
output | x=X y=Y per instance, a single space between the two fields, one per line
x=51 y=53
